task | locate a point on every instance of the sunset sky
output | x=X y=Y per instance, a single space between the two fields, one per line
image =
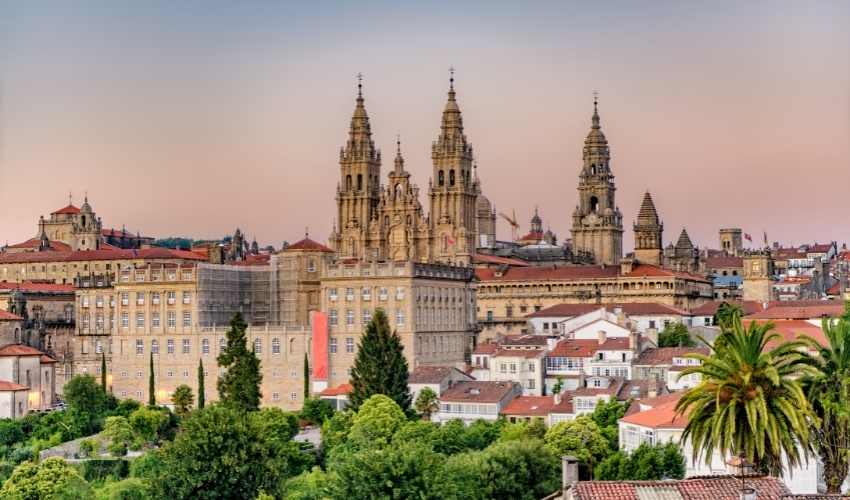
x=191 y=118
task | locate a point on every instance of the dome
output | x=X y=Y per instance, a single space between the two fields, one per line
x=483 y=203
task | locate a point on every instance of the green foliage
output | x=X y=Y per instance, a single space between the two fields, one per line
x=311 y=485
x=427 y=403
x=581 y=438
x=202 y=400
x=103 y=372
x=727 y=315
x=11 y=432
x=126 y=407
x=828 y=392
x=182 y=399
x=535 y=429
x=151 y=384
x=335 y=430
x=506 y=470
x=750 y=402
x=675 y=334
x=607 y=415
x=149 y=465
x=455 y=437
x=380 y=366
x=306 y=377
x=87 y=402
x=559 y=385
x=51 y=479
x=375 y=423
x=99 y=470
x=89 y=447
x=176 y=242
x=316 y=411
x=120 y=435
x=127 y=489
x=149 y=424
x=224 y=452
x=645 y=463
x=417 y=431
x=239 y=387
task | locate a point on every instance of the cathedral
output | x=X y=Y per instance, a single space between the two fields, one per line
x=386 y=222
x=597 y=221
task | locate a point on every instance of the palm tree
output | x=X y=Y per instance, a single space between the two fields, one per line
x=427 y=403
x=750 y=402
x=829 y=395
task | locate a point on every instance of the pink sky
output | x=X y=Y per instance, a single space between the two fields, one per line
x=182 y=122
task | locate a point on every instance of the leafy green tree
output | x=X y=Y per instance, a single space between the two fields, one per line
x=224 y=452
x=417 y=431
x=182 y=399
x=675 y=334
x=580 y=438
x=313 y=485
x=306 y=377
x=131 y=488
x=506 y=470
x=84 y=395
x=239 y=387
x=727 y=315
x=201 y=387
x=335 y=430
x=607 y=415
x=523 y=430
x=396 y=472
x=380 y=366
x=151 y=384
x=89 y=447
x=148 y=466
x=829 y=394
x=559 y=385
x=316 y=410
x=646 y=463
x=427 y=403
x=376 y=422
x=149 y=424
x=103 y=372
x=52 y=479
x=120 y=435
x=11 y=432
x=613 y=468
x=750 y=402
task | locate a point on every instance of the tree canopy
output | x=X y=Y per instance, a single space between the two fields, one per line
x=239 y=386
x=380 y=366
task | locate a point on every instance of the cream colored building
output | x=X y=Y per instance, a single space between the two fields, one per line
x=27 y=380
x=758 y=276
x=430 y=306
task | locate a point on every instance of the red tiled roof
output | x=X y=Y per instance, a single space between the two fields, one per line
x=6 y=385
x=710 y=308
x=536 y=406
x=478 y=391
x=694 y=488
x=524 y=340
x=486 y=348
x=481 y=258
x=254 y=260
x=70 y=209
x=102 y=254
x=576 y=273
x=630 y=309
x=834 y=289
x=46 y=360
x=29 y=286
x=520 y=353
x=337 y=391
x=793 y=330
x=800 y=309
x=724 y=261
x=309 y=245
x=19 y=350
x=820 y=248
x=532 y=236
x=7 y=316
x=665 y=355
x=572 y=348
x=426 y=374
x=55 y=245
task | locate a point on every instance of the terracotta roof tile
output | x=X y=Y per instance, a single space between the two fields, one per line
x=46 y=360
x=578 y=273
x=695 y=488
x=629 y=309
x=573 y=348
x=29 y=286
x=486 y=348
x=800 y=309
x=524 y=340
x=19 y=350
x=665 y=355
x=533 y=406
x=425 y=374
x=724 y=261
x=710 y=308
x=337 y=391
x=70 y=209
x=7 y=316
x=479 y=391
x=101 y=254
x=33 y=243
x=481 y=258
x=308 y=245
x=6 y=385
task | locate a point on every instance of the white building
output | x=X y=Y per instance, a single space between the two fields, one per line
x=471 y=401
x=27 y=380
x=437 y=378
x=641 y=316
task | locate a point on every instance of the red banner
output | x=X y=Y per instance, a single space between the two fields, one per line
x=319 y=346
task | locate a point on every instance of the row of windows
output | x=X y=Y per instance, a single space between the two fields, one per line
x=293 y=396
x=365 y=317
x=140 y=319
x=139 y=298
x=156 y=275
x=511 y=367
x=205 y=346
x=365 y=294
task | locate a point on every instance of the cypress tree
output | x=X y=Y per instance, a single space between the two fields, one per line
x=306 y=377
x=380 y=366
x=151 y=386
x=103 y=371
x=201 y=392
x=239 y=387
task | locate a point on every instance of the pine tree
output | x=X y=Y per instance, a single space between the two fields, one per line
x=201 y=391
x=239 y=387
x=380 y=366
x=103 y=371
x=151 y=386
x=306 y=377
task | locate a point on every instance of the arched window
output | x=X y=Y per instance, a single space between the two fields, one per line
x=445 y=243
x=386 y=220
x=291 y=346
x=451 y=177
x=441 y=178
x=409 y=220
x=594 y=204
x=398 y=191
x=352 y=247
x=360 y=182
x=348 y=182
x=258 y=345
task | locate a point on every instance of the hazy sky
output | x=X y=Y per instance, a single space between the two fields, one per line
x=193 y=117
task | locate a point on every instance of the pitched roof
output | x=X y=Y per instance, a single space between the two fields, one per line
x=647 y=215
x=710 y=308
x=101 y=254
x=481 y=258
x=664 y=355
x=54 y=245
x=578 y=273
x=661 y=416
x=630 y=309
x=29 y=286
x=308 y=245
x=46 y=360
x=684 y=241
x=70 y=209
x=793 y=329
x=721 y=261
x=426 y=374
x=800 y=309
x=478 y=391
x=19 y=350
x=574 y=348
x=694 y=488
x=337 y=391
x=7 y=316
x=536 y=406
x=6 y=385
x=486 y=348
x=524 y=340
x=254 y=260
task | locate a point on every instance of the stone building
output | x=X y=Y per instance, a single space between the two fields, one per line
x=597 y=221
x=730 y=241
x=648 y=234
x=683 y=256
x=380 y=222
x=758 y=276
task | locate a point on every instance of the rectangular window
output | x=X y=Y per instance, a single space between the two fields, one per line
x=125 y=319
x=332 y=294
x=170 y=346
x=98 y=347
x=140 y=347
x=172 y=298
x=155 y=298
x=140 y=320
x=155 y=319
x=293 y=396
x=187 y=318
x=171 y=275
x=349 y=294
x=399 y=317
x=156 y=275
x=509 y=312
x=186 y=275
x=349 y=345
x=275 y=396
x=125 y=299
x=399 y=293
x=531 y=366
x=187 y=297
x=349 y=317
x=140 y=298
x=367 y=316
x=205 y=346
x=99 y=321
x=187 y=346
x=367 y=293
x=154 y=346
x=172 y=319
x=98 y=301
x=332 y=346
x=275 y=346
x=332 y=317
x=382 y=293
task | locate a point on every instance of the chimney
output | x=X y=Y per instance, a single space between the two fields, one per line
x=621 y=317
x=651 y=335
x=556 y=397
x=601 y=337
x=626 y=266
x=748 y=494
x=569 y=472
x=634 y=342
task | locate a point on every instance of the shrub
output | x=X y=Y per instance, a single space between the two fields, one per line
x=89 y=447
x=102 y=469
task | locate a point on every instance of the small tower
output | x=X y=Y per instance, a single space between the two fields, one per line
x=758 y=276
x=730 y=240
x=597 y=221
x=648 y=233
x=536 y=223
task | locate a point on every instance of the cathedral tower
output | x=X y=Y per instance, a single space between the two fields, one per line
x=402 y=228
x=648 y=231
x=597 y=222
x=358 y=191
x=453 y=190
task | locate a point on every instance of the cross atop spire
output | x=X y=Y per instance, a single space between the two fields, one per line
x=70 y=198
x=451 y=78
x=595 y=109
x=307 y=232
x=359 y=84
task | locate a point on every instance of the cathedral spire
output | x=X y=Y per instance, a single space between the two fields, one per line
x=595 y=118
x=452 y=126
x=360 y=145
x=647 y=215
x=399 y=159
